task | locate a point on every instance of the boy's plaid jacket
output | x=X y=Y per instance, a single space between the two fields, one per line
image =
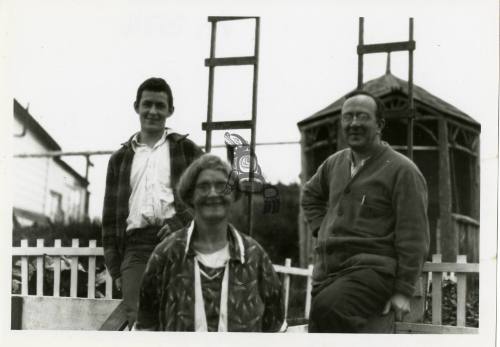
x=116 y=198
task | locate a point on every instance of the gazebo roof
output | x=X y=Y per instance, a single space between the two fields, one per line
x=389 y=83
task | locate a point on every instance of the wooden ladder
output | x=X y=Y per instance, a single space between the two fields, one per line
x=212 y=62
x=388 y=48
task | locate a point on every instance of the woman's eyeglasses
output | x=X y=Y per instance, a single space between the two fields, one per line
x=205 y=187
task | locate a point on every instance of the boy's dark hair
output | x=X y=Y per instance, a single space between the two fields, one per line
x=156 y=84
x=379 y=112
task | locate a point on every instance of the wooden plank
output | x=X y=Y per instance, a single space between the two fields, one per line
x=461 y=293
x=117 y=320
x=308 y=292
x=91 y=272
x=57 y=270
x=286 y=285
x=437 y=292
x=450 y=267
x=52 y=251
x=230 y=61
x=387 y=47
x=227 y=18
x=292 y=270
x=39 y=269
x=74 y=271
x=403 y=327
x=226 y=125
x=24 y=270
x=109 y=286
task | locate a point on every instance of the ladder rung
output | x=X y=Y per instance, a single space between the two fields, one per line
x=238 y=124
x=230 y=61
x=386 y=47
x=221 y=19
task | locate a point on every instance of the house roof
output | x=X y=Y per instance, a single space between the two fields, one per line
x=27 y=119
x=388 y=84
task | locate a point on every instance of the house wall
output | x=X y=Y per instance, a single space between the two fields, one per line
x=38 y=182
x=72 y=193
x=30 y=174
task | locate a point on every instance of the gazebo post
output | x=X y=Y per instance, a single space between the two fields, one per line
x=476 y=178
x=448 y=236
x=304 y=233
x=341 y=142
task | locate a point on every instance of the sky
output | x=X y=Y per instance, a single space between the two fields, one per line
x=77 y=64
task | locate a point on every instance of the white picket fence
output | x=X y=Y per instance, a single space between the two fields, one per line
x=73 y=253
x=434 y=269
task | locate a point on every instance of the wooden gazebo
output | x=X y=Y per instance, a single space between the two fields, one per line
x=445 y=148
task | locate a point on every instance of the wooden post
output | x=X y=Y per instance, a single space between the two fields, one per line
x=437 y=292
x=57 y=270
x=308 y=292
x=411 y=104
x=286 y=284
x=211 y=70
x=360 y=55
x=461 y=292
x=304 y=234
x=91 y=272
x=73 y=289
x=39 y=269
x=449 y=239
x=109 y=286
x=24 y=270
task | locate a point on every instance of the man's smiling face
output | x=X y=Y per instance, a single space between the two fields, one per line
x=359 y=123
x=153 y=110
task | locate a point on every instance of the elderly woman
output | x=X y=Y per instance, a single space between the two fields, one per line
x=209 y=276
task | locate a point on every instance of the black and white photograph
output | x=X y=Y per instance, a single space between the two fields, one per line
x=326 y=171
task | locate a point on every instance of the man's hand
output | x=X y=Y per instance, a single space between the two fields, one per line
x=400 y=305
x=164 y=232
x=118 y=283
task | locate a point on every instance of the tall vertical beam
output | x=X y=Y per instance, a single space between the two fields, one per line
x=411 y=104
x=304 y=233
x=449 y=237
x=211 y=69
x=360 y=55
x=254 y=124
x=476 y=179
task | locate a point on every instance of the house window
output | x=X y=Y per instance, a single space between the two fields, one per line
x=56 y=211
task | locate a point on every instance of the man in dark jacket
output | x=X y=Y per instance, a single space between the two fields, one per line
x=140 y=202
x=367 y=206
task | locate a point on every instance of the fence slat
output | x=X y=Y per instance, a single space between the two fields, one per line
x=286 y=284
x=24 y=270
x=308 y=292
x=57 y=270
x=109 y=286
x=39 y=269
x=437 y=292
x=461 y=293
x=91 y=272
x=74 y=271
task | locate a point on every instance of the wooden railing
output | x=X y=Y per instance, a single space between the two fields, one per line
x=435 y=269
x=467 y=230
